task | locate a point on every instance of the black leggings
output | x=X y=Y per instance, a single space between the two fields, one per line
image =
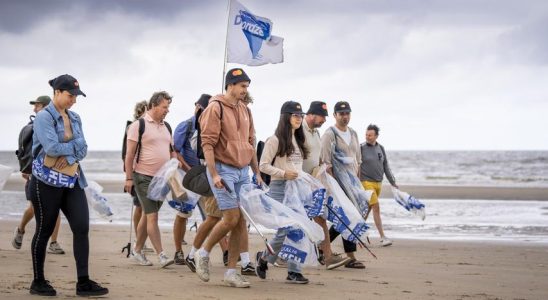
x=348 y=246
x=47 y=200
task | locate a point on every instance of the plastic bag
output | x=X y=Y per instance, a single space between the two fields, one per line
x=97 y=201
x=298 y=248
x=159 y=187
x=305 y=192
x=342 y=209
x=185 y=207
x=409 y=202
x=272 y=214
x=349 y=182
x=5 y=173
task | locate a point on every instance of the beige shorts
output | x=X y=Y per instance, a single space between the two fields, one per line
x=210 y=207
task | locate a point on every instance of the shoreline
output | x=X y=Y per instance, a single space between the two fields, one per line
x=410 y=269
x=470 y=192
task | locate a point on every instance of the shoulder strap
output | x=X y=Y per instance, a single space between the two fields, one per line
x=141 y=132
x=170 y=134
x=221 y=106
x=336 y=135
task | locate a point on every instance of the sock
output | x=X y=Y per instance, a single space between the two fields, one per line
x=191 y=253
x=245 y=258
x=83 y=279
x=203 y=253
x=230 y=272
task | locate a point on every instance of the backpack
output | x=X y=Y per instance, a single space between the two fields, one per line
x=260 y=147
x=139 y=140
x=24 y=150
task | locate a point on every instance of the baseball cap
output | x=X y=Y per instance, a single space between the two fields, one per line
x=318 y=108
x=291 y=107
x=67 y=83
x=342 y=106
x=44 y=100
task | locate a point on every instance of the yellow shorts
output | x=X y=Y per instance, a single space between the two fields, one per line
x=376 y=188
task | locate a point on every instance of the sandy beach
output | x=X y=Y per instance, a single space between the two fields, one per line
x=410 y=269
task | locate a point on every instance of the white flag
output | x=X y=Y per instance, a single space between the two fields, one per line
x=249 y=38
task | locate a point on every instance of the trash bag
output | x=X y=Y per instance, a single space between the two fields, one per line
x=159 y=187
x=305 y=193
x=409 y=202
x=97 y=201
x=349 y=182
x=5 y=173
x=272 y=214
x=184 y=207
x=342 y=209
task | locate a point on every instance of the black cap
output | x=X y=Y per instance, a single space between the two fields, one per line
x=203 y=101
x=67 y=83
x=44 y=100
x=317 y=108
x=291 y=107
x=234 y=76
x=342 y=106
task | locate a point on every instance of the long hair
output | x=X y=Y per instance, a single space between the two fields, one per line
x=284 y=135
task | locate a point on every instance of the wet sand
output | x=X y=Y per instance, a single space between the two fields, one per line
x=410 y=269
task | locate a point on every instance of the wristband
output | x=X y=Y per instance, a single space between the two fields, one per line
x=129 y=179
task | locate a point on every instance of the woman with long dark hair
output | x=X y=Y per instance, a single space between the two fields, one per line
x=58 y=183
x=282 y=159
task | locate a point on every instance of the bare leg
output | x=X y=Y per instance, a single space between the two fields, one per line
x=137 y=217
x=179 y=228
x=27 y=216
x=325 y=245
x=153 y=231
x=56 y=229
x=377 y=218
x=231 y=219
x=204 y=230
x=234 y=243
x=141 y=233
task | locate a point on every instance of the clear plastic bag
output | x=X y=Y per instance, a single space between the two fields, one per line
x=343 y=208
x=97 y=201
x=349 y=182
x=159 y=187
x=409 y=202
x=5 y=173
x=186 y=206
x=272 y=214
x=305 y=192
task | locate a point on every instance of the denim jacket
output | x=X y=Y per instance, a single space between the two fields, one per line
x=49 y=132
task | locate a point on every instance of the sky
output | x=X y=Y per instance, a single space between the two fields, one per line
x=433 y=75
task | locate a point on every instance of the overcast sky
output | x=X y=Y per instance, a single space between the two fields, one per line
x=434 y=75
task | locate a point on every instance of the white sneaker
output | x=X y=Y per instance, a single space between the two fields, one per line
x=55 y=248
x=236 y=280
x=386 y=242
x=164 y=260
x=140 y=258
x=202 y=266
x=17 y=240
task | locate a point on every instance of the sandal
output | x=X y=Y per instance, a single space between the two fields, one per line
x=354 y=264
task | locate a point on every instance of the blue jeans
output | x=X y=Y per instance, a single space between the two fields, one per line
x=234 y=178
x=277 y=192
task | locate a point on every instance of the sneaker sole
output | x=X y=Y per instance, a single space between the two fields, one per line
x=91 y=294
x=14 y=244
x=169 y=263
x=249 y=273
x=339 y=264
x=236 y=286
x=51 y=294
x=56 y=252
x=295 y=282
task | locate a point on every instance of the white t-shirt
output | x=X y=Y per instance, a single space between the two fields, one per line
x=345 y=135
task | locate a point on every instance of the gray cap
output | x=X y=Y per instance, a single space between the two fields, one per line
x=44 y=100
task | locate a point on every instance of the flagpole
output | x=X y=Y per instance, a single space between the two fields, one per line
x=226 y=46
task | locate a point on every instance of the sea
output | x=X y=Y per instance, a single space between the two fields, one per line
x=446 y=219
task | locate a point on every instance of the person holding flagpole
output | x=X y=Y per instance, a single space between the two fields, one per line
x=227 y=135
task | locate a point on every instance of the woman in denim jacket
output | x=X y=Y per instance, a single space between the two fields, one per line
x=58 y=135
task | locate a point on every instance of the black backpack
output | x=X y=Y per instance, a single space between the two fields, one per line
x=24 y=150
x=260 y=148
x=141 y=132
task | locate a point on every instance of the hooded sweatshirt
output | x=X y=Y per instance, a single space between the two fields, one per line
x=230 y=138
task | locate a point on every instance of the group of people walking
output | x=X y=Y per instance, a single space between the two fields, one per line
x=219 y=137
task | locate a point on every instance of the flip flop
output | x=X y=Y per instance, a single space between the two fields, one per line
x=354 y=264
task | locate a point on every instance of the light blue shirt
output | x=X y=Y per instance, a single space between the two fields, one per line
x=49 y=133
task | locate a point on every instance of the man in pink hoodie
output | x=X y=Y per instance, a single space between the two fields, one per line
x=228 y=135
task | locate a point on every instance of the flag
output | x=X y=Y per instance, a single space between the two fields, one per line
x=249 y=39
